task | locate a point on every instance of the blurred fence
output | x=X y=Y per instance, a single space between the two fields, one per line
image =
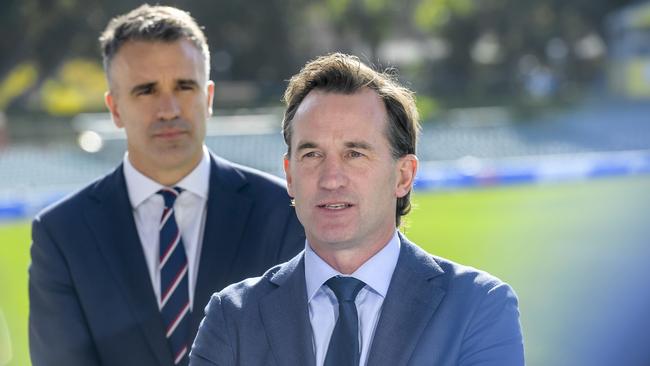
x=596 y=140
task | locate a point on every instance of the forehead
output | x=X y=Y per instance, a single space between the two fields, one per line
x=139 y=61
x=321 y=114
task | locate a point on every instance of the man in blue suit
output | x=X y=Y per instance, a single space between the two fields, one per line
x=122 y=270
x=360 y=293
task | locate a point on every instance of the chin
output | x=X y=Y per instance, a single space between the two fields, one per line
x=335 y=239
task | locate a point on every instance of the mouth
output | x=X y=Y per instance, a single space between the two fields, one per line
x=335 y=206
x=169 y=133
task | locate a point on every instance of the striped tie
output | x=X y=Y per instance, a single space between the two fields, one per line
x=174 y=288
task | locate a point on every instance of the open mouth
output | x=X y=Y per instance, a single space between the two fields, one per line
x=335 y=206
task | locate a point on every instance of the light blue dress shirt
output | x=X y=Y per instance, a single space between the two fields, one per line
x=376 y=273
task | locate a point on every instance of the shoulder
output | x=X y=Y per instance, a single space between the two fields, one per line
x=246 y=294
x=486 y=311
x=469 y=281
x=452 y=275
x=460 y=282
x=247 y=179
x=239 y=303
x=72 y=204
x=258 y=177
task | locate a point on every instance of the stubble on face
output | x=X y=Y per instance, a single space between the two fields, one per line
x=343 y=175
x=159 y=94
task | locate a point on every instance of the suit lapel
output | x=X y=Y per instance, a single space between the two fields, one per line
x=285 y=316
x=227 y=213
x=411 y=301
x=110 y=216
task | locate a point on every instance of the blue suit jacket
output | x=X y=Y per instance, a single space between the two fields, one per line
x=436 y=312
x=91 y=299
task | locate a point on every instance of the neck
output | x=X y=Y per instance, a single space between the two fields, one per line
x=169 y=176
x=347 y=260
x=169 y=179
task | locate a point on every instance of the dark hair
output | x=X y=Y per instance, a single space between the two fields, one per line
x=341 y=73
x=152 y=23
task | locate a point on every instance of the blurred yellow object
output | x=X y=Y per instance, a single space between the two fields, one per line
x=18 y=80
x=631 y=77
x=78 y=87
x=629 y=51
x=637 y=74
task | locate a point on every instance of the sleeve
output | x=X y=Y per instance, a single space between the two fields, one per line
x=58 y=331
x=212 y=345
x=494 y=337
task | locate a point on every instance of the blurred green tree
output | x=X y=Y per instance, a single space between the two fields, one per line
x=496 y=48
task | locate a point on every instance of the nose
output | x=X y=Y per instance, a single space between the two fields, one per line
x=332 y=174
x=168 y=107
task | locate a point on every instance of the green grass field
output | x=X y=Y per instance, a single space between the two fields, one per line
x=14 y=259
x=558 y=245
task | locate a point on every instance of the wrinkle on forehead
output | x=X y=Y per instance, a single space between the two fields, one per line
x=339 y=107
x=150 y=62
x=312 y=101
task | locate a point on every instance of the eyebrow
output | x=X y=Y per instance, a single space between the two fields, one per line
x=358 y=145
x=306 y=145
x=350 y=145
x=180 y=82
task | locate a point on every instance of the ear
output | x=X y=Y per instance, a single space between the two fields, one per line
x=210 y=95
x=111 y=104
x=287 y=173
x=407 y=167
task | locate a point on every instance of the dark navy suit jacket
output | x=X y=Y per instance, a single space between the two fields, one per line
x=91 y=299
x=436 y=313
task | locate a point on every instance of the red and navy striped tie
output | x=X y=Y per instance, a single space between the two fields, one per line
x=174 y=288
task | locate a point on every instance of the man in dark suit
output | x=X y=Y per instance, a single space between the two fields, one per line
x=360 y=293
x=122 y=270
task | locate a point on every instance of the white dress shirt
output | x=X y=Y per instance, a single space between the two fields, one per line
x=189 y=210
x=376 y=273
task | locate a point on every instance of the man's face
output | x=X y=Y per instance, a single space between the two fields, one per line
x=161 y=96
x=341 y=173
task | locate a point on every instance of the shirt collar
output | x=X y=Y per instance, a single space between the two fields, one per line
x=376 y=272
x=140 y=187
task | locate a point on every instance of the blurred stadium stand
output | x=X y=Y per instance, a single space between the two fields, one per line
x=598 y=139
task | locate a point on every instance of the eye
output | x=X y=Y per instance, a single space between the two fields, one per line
x=311 y=155
x=355 y=154
x=186 y=85
x=145 y=90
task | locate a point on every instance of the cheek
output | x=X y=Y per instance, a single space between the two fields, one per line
x=295 y=188
x=302 y=183
x=136 y=117
x=385 y=185
x=199 y=116
x=200 y=110
x=199 y=104
x=137 y=131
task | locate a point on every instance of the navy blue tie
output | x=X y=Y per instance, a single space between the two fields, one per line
x=343 y=349
x=174 y=288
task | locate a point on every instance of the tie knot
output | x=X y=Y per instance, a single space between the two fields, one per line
x=170 y=195
x=345 y=288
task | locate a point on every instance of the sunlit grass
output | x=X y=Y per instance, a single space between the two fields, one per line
x=14 y=260
x=557 y=245
x=544 y=240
